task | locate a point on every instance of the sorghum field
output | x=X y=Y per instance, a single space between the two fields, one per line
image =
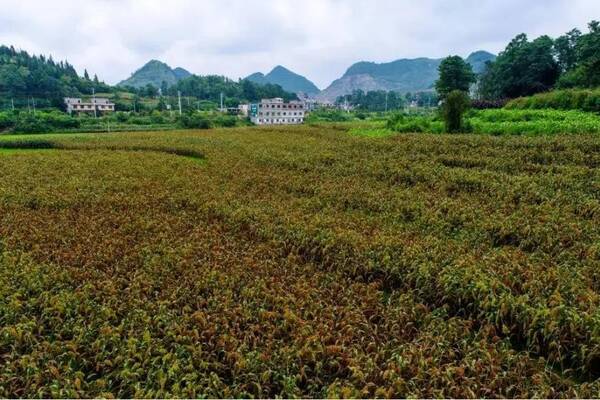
x=300 y=261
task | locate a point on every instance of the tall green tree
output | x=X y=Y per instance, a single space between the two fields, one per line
x=375 y=100
x=585 y=70
x=150 y=90
x=455 y=74
x=523 y=68
x=565 y=48
x=162 y=105
x=455 y=106
x=23 y=76
x=164 y=88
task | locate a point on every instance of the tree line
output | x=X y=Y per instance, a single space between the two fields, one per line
x=23 y=76
x=381 y=100
x=210 y=88
x=29 y=79
x=526 y=67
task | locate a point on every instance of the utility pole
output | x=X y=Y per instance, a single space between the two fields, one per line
x=33 y=102
x=221 y=101
x=94 y=101
x=179 y=100
x=12 y=104
x=386 y=96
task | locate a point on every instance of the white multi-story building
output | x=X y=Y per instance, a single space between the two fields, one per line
x=99 y=104
x=276 y=112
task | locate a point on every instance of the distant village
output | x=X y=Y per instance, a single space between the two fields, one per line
x=274 y=111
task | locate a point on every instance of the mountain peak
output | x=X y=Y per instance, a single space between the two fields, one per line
x=181 y=73
x=280 y=68
x=155 y=62
x=402 y=75
x=478 y=59
x=288 y=80
x=154 y=72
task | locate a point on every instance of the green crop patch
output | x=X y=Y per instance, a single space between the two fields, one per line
x=300 y=262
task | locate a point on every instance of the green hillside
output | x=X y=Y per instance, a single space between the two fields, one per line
x=24 y=76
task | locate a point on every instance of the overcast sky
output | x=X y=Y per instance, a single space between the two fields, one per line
x=319 y=39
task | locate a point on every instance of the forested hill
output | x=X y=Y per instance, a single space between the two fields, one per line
x=23 y=75
x=403 y=75
x=155 y=73
x=29 y=79
x=288 y=80
x=210 y=87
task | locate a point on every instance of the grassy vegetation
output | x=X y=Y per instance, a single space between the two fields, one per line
x=504 y=122
x=300 y=261
x=570 y=99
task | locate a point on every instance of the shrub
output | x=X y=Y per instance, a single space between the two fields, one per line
x=227 y=121
x=157 y=118
x=194 y=121
x=121 y=116
x=31 y=124
x=7 y=120
x=58 y=120
x=483 y=104
x=329 y=116
x=454 y=107
x=394 y=120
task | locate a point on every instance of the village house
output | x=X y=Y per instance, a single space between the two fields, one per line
x=276 y=112
x=96 y=104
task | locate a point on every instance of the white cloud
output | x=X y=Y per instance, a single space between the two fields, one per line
x=316 y=38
